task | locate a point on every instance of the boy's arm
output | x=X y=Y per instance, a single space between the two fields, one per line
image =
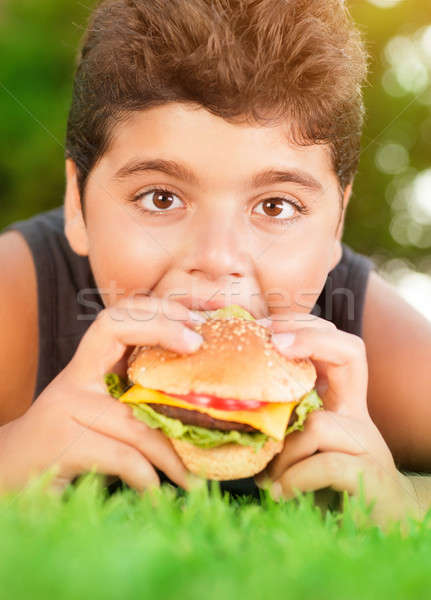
x=19 y=326
x=398 y=344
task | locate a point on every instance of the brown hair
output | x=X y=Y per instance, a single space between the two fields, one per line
x=264 y=61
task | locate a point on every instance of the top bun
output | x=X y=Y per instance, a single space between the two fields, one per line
x=236 y=360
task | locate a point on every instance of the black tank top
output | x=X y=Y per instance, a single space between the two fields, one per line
x=68 y=300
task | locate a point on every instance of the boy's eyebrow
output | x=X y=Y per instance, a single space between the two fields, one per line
x=180 y=171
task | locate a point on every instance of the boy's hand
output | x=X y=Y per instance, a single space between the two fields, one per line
x=75 y=424
x=340 y=441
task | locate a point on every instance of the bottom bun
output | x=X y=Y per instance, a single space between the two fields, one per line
x=230 y=461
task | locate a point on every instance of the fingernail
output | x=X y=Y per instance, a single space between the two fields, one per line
x=263 y=481
x=276 y=491
x=197 y=316
x=195 y=482
x=282 y=341
x=265 y=322
x=192 y=339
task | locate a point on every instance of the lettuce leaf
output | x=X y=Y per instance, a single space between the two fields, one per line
x=309 y=402
x=199 y=436
x=233 y=310
x=116 y=384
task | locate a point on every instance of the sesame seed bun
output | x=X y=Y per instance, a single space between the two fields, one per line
x=236 y=360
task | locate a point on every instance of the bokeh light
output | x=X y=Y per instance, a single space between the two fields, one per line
x=416 y=289
x=410 y=201
x=420 y=206
x=384 y=3
x=406 y=62
x=412 y=285
x=409 y=64
x=392 y=158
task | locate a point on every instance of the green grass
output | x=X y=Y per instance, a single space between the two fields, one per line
x=88 y=544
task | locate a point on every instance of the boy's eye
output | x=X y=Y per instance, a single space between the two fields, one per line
x=278 y=208
x=158 y=200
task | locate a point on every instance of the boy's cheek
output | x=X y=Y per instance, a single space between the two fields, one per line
x=293 y=286
x=121 y=272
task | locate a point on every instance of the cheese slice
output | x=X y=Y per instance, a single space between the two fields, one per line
x=271 y=419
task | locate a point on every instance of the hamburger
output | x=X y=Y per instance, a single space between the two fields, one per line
x=227 y=407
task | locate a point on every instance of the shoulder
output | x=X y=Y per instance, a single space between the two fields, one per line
x=387 y=316
x=398 y=344
x=51 y=277
x=19 y=318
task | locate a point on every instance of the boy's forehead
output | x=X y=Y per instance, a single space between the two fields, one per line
x=209 y=144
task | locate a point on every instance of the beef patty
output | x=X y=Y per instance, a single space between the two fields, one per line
x=194 y=417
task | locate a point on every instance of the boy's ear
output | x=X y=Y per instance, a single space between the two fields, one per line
x=338 y=250
x=74 y=224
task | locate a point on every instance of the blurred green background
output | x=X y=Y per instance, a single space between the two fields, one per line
x=389 y=217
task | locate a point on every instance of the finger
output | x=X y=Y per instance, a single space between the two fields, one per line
x=289 y=320
x=116 y=420
x=323 y=431
x=389 y=490
x=105 y=341
x=341 y=359
x=171 y=309
x=92 y=450
x=189 y=317
x=329 y=469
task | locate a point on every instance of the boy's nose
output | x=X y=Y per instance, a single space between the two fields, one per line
x=215 y=251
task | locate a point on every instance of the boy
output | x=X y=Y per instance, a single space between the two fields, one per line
x=210 y=154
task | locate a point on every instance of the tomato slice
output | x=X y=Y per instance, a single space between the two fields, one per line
x=217 y=402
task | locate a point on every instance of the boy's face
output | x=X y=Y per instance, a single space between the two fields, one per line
x=214 y=236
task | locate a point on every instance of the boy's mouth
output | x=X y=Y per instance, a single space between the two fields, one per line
x=206 y=306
